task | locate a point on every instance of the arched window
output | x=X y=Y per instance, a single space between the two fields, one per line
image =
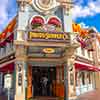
x=54 y=21
x=83 y=78
x=36 y=21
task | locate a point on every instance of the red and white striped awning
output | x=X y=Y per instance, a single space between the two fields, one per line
x=9 y=67
x=84 y=66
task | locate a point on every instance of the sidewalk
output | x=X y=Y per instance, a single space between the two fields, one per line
x=3 y=97
x=93 y=95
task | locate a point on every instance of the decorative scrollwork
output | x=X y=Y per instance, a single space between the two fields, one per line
x=44 y=6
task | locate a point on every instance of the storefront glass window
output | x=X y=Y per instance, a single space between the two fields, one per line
x=89 y=78
x=4 y=50
x=83 y=51
x=83 y=78
x=89 y=54
x=78 y=78
x=11 y=45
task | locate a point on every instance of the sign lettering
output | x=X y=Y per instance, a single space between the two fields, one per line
x=19 y=79
x=53 y=36
x=19 y=74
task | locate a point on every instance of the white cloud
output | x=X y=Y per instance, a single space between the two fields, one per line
x=83 y=25
x=3 y=13
x=78 y=2
x=91 y=9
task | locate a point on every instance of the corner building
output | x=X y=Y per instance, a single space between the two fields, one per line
x=44 y=48
x=45 y=59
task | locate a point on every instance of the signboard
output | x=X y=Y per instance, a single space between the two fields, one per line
x=19 y=74
x=19 y=78
x=48 y=36
x=7 y=81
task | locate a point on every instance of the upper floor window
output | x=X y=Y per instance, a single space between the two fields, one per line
x=89 y=54
x=83 y=51
x=11 y=45
x=0 y=51
x=4 y=50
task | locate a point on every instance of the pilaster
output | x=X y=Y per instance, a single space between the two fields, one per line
x=69 y=71
x=21 y=72
x=96 y=63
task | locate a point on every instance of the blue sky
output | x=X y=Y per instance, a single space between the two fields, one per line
x=85 y=12
x=8 y=9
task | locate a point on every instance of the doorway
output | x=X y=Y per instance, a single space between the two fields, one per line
x=42 y=79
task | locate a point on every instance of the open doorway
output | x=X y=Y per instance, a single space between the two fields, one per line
x=42 y=79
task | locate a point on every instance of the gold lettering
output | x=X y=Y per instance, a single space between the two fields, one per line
x=65 y=37
x=54 y=36
x=47 y=35
x=29 y=35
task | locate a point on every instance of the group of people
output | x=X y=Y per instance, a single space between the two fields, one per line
x=41 y=86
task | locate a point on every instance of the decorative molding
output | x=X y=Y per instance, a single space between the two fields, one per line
x=8 y=62
x=7 y=58
x=44 y=6
x=84 y=60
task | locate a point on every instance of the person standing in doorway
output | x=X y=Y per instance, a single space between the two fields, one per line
x=44 y=85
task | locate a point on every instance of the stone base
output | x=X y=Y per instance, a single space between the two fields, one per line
x=73 y=98
x=19 y=97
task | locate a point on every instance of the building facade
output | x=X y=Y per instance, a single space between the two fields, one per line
x=40 y=52
x=7 y=58
x=42 y=43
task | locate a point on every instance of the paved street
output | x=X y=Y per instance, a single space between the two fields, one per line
x=93 y=95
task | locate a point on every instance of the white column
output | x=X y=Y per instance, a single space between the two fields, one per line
x=68 y=21
x=21 y=68
x=20 y=80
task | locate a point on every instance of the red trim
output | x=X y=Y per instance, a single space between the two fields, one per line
x=3 y=43
x=7 y=68
x=54 y=21
x=83 y=66
x=10 y=38
x=37 y=20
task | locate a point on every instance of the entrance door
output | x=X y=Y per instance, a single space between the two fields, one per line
x=42 y=78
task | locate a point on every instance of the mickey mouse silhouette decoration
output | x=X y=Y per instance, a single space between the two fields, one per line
x=39 y=23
